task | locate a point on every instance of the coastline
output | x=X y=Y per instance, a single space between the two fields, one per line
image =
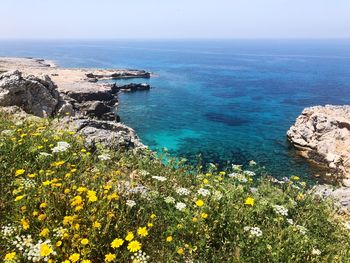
x=75 y=95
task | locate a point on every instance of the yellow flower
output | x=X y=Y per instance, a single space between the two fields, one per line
x=153 y=216
x=113 y=196
x=18 y=198
x=195 y=219
x=66 y=261
x=300 y=196
x=199 y=203
x=129 y=236
x=81 y=189
x=45 y=250
x=205 y=181
x=74 y=257
x=84 y=241
x=204 y=215
x=31 y=175
x=149 y=224
x=86 y=261
x=44 y=232
x=134 y=246
x=142 y=231
x=25 y=223
x=249 y=201
x=46 y=183
x=110 y=257
x=43 y=205
x=68 y=220
x=10 y=256
x=77 y=200
x=118 y=242
x=91 y=195
x=20 y=172
x=57 y=164
x=58 y=243
x=295 y=178
x=96 y=224
x=41 y=217
x=169 y=239
x=180 y=251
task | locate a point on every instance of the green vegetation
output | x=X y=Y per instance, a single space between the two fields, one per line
x=60 y=202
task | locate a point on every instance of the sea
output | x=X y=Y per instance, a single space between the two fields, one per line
x=215 y=101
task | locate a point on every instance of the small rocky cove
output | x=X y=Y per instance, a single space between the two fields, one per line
x=81 y=104
x=84 y=103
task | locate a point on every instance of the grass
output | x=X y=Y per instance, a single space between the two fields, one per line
x=62 y=203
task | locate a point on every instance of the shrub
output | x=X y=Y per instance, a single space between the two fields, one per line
x=62 y=203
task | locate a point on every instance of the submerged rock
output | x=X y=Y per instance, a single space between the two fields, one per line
x=322 y=135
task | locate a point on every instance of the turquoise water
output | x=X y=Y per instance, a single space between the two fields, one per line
x=231 y=101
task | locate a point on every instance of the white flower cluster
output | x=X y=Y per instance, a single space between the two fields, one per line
x=316 y=252
x=59 y=232
x=183 y=191
x=290 y=221
x=44 y=154
x=249 y=173
x=180 y=206
x=61 y=147
x=27 y=183
x=104 y=157
x=23 y=243
x=30 y=250
x=203 y=192
x=239 y=177
x=159 y=178
x=253 y=231
x=169 y=200
x=8 y=231
x=301 y=229
x=140 y=257
x=130 y=203
x=281 y=210
x=143 y=173
x=34 y=252
x=217 y=195
x=127 y=188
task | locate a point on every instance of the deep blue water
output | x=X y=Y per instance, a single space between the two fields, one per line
x=229 y=100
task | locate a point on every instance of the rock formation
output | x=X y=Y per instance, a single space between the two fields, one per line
x=89 y=111
x=322 y=134
x=36 y=95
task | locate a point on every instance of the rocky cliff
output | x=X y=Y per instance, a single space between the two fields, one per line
x=322 y=134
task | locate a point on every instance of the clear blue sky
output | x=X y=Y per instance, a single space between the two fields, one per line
x=175 y=19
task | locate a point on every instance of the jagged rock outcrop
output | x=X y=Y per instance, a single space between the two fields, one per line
x=322 y=134
x=118 y=74
x=132 y=87
x=36 y=95
x=340 y=196
x=107 y=133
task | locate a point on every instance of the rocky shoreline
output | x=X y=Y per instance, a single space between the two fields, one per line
x=321 y=134
x=85 y=105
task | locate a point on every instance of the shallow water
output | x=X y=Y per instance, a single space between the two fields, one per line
x=229 y=100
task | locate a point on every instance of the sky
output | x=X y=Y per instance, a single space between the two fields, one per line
x=157 y=19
